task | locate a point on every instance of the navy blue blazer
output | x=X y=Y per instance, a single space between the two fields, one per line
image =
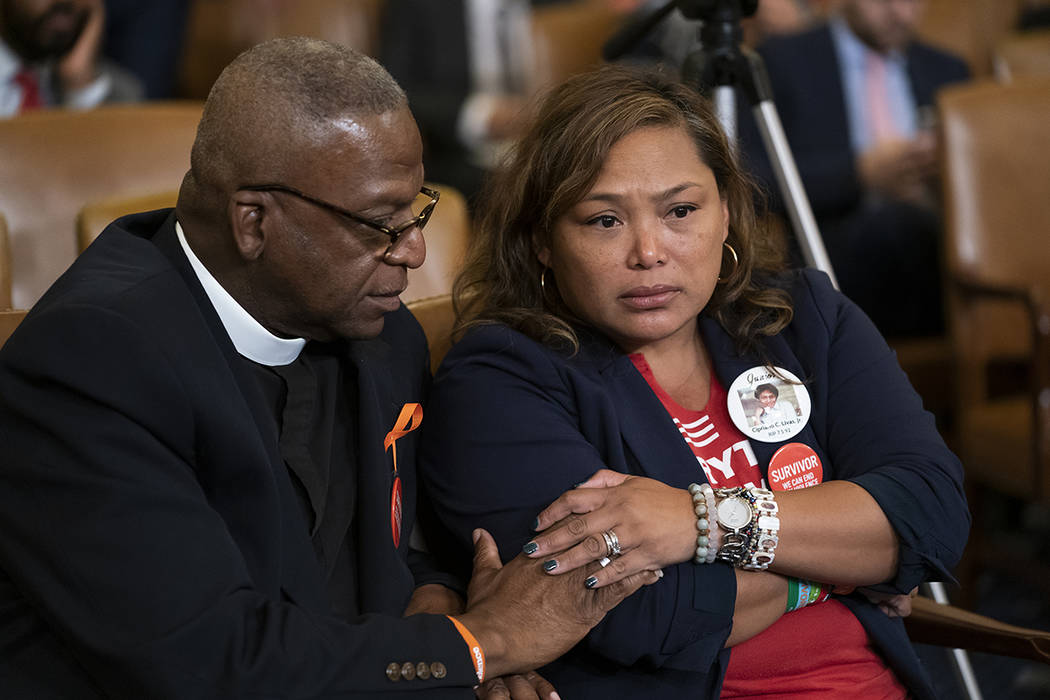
x=151 y=543
x=806 y=80
x=513 y=424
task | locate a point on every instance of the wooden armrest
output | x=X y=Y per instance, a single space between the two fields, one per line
x=949 y=626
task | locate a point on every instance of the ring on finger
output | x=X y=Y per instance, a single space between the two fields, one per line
x=604 y=561
x=608 y=543
x=614 y=543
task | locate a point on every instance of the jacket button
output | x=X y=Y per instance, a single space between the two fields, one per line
x=408 y=671
x=422 y=671
x=437 y=669
x=393 y=672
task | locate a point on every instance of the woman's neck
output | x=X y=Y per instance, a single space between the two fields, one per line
x=682 y=367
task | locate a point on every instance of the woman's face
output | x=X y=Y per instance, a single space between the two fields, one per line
x=638 y=257
x=768 y=399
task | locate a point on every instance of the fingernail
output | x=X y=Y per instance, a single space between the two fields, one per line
x=476 y=535
x=659 y=573
x=554 y=696
x=550 y=565
x=577 y=484
x=535 y=524
x=530 y=548
x=591 y=582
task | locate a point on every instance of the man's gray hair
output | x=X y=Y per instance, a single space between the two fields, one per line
x=281 y=93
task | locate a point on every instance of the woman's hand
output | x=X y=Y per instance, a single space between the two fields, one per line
x=654 y=523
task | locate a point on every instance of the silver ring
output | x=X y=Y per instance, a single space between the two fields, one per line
x=614 y=543
x=608 y=543
x=604 y=561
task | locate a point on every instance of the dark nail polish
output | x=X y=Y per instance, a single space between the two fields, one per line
x=535 y=524
x=591 y=582
x=530 y=548
x=550 y=565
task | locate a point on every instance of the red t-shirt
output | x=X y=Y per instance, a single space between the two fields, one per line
x=819 y=652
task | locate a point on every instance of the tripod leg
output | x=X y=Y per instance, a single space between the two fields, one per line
x=801 y=214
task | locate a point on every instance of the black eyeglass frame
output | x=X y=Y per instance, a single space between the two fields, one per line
x=419 y=220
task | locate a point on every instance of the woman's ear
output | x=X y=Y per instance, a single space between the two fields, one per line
x=247 y=213
x=725 y=219
x=543 y=252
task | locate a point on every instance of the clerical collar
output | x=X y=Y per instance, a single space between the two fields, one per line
x=249 y=337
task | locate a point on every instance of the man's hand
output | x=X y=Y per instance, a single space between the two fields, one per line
x=435 y=599
x=528 y=686
x=78 y=68
x=899 y=169
x=523 y=618
x=892 y=605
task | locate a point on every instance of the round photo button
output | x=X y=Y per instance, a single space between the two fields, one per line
x=769 y=406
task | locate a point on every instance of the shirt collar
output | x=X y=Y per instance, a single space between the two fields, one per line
x=855 y=50
x=249 y=337
x=9 y=63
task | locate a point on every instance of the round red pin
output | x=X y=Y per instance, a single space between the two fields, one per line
x=794 y=466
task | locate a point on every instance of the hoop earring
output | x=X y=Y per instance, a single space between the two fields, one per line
x=543 y=281
x=736 y=262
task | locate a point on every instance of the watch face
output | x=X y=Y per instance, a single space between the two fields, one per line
x=734 y=513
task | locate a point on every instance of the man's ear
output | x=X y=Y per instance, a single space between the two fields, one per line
x=247 y=211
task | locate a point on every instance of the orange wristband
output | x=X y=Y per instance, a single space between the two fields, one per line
x=477 y=655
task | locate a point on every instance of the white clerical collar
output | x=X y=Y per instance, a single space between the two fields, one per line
x=249 y=337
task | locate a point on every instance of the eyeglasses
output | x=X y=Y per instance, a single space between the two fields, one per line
x=394 y=232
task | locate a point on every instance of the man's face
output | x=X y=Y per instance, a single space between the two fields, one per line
x=884 y=25
x=38 y=30
x=323 y=275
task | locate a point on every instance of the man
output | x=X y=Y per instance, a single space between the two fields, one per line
x=856 y=97
x=208 y=482
x=49 y=57
x=466 y=67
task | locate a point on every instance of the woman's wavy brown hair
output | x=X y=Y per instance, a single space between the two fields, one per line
x=555 y=164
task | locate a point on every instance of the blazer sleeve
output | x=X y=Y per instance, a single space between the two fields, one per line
x=107 y=532
x=879 y=436
x=504 y=437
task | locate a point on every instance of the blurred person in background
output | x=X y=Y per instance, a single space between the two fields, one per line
x=465 y=65
x=856 y=98
x=147 y=38
x=49 y=57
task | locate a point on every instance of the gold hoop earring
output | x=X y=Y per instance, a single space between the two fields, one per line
x=543 y=281
x=736 y=262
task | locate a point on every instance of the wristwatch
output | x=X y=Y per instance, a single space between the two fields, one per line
x=748 y=517
x=735 y=516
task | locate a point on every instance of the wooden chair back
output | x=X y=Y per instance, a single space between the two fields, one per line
x=219 y=30
x=95 y=216
x=568 y=37
x=5 y=266
x=1020 y=55
x=9 y=320
x=436 y=316
x=447 y=235
x=996 y=151
x=56 y=161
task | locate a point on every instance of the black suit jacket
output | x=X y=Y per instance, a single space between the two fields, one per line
x=151 y=545
x=810 y=99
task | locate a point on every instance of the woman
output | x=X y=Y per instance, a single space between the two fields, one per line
x=619 y=308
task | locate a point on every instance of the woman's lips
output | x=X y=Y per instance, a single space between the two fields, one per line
x=649 y=297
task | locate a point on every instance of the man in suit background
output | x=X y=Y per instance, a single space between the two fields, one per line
x=466 y=66
x=856 y=98
x=208 y=486
x=49 y=57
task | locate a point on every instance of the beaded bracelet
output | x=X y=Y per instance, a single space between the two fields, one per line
x=802 y=593
x=707 y=529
